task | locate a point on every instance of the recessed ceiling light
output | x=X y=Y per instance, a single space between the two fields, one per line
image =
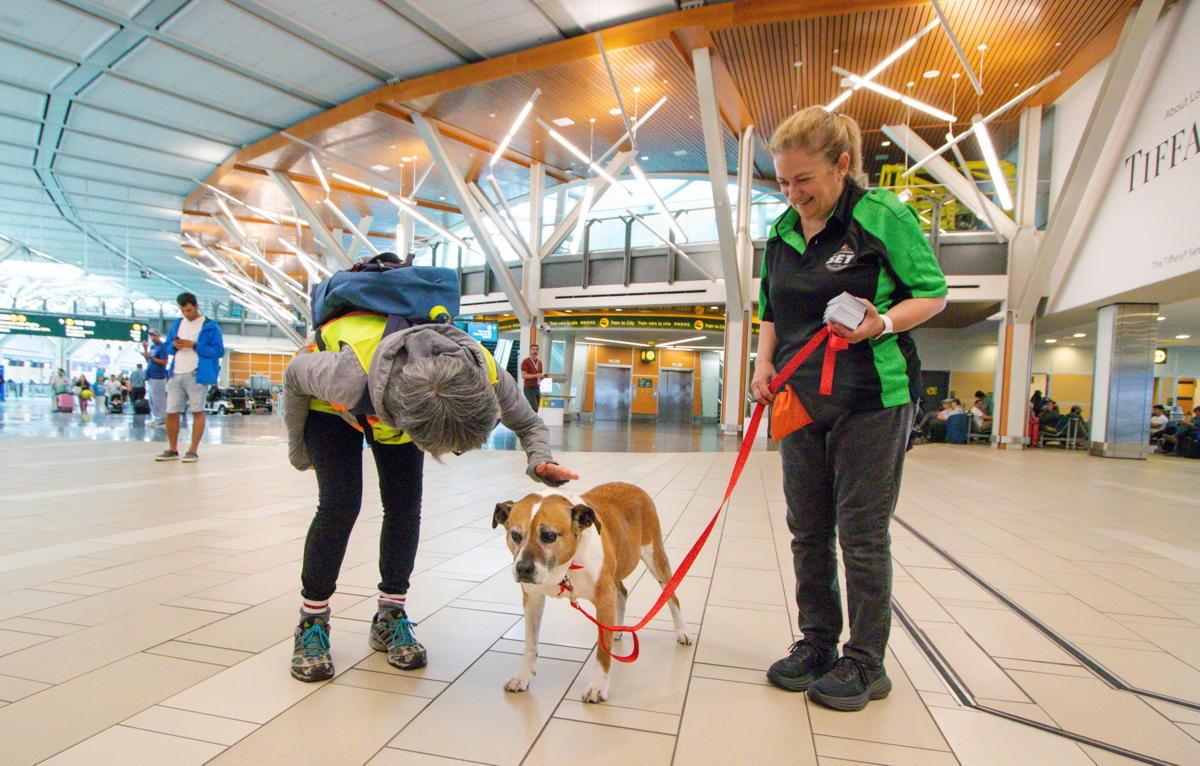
x=563 y=122
x=409 y=158
x=1051 y=340
x=835 y=50
x=643 y=158
x=591 y=119
x=442 y=198
x=620 y=309
x=910 y=83
x=393 y=146
x=614 y=111
x=664 y=82
x=1016 y=84
x=380 y=168
x=1058 y=44
x=637 y=89
x=982 y=47
x=491 y=114
x=1079 y=335
x=885 y=143
x=1185 y=336
x=930 y=74
x=714 y=308
x=955 y=76
x=680 y=152
x=1162 y=318
x=798 y=64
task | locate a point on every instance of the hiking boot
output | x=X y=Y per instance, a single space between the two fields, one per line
x=850 y=685
x=311 y=660
x=802 y=667
x=392 y=632
x=167 y=454
x=190 y=457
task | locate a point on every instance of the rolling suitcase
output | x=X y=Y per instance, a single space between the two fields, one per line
x=64 y=402
x=141 y=407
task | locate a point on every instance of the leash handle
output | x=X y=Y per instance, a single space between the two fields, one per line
x=835 y=344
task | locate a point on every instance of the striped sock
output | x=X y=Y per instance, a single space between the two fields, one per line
x=314 y=607
x=390 y=601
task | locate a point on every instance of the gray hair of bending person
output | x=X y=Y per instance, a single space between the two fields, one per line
x=444 y=404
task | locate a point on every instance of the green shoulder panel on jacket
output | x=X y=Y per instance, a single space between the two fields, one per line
x=895 y=224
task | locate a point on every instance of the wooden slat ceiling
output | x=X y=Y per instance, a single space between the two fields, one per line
x=1026 y=39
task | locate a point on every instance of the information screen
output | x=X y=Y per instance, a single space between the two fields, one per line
x=69 y=326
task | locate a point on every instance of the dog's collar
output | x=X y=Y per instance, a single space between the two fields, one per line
x=565 y=586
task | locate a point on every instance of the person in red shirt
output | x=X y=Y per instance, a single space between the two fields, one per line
x=531 y=377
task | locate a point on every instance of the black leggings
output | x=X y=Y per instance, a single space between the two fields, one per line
x=336 y=451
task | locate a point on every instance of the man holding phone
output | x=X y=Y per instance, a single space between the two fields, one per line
x=198 y=347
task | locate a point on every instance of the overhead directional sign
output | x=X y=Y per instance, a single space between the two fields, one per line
x=70 y=326
x=627 y=321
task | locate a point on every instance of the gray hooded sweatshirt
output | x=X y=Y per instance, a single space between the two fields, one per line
x=338 y=377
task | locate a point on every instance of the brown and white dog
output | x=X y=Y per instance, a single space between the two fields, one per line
x=592 y=542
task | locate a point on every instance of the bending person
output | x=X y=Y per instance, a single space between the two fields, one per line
x=433 y=390
x=842 y=471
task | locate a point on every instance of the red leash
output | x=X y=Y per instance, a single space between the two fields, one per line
x=835 y=345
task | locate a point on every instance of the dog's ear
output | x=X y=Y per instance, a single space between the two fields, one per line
x=583 y=517
x=500 y=515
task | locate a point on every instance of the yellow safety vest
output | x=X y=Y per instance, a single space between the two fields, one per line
x=363 y=332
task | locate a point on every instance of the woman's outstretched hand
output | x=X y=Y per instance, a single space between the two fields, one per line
x=870 y=326
x=554 y=472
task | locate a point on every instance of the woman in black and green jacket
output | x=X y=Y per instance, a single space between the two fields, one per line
x=842 y=472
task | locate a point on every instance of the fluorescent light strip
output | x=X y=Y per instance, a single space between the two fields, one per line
x=993 y=162
x=412 y=210
x=622 y=342
x=996 y=113
x=508 y=137
x=882 y=65
x=587 y=161
x=585 y=205
x=320 y=173
x=359 y=184
x=930 y=110
x=658 y=202
x=232 y=221
x=637 y=125
x=685 y=340
x=305 y=257
x=699 y=348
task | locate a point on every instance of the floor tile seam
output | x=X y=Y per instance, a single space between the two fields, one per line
x=678 y=722
x=127 y=725
x=888 y=744
x=434 y=755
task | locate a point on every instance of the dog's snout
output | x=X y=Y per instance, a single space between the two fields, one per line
x=525 y=569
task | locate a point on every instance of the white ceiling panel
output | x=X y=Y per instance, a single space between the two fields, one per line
x=78 y=186
x=21 y=102
x=118 y=126
x=15 y=155
x=58 y=27
x=13 y=193
x=28 y=67
x=496 y=27
x=217 y=26
x=102 y=204
x=20 y=176
x=127 y=8
x=131 y=98
x=15 y=131
x=590 y=14
x=114 y=174
x=190 y=77
x=132 y=156
x=90 y=213
x=372 y=31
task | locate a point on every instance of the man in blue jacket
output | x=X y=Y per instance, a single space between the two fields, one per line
x=197 y=347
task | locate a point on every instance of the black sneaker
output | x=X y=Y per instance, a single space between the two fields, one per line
x=311 y=660
x=802 y=667
x=850 y=686
x=392 y=632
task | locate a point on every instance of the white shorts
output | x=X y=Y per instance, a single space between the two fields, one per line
x=183 y=392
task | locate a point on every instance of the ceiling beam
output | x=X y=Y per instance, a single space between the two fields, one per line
x=734 y=112
x=718 y=175
x=488 y=147
x=434 y=30
x=710 y=17
x=306 y=180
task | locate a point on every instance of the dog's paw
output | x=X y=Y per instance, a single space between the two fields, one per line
x=596 y=691
x=518 y=683
x=683 y=638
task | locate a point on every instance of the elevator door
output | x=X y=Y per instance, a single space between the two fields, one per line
x=614 y=392
x=675 y=396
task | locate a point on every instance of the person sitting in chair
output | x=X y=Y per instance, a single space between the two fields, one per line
x=981 y=421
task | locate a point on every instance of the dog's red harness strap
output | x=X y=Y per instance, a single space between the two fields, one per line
x=835 y=345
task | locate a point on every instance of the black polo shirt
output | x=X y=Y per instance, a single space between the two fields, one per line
x=872 y=247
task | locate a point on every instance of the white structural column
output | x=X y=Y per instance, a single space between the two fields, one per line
x=470 y=210
x=331 y=245
x=363 y=226
x=739 y=325
x=599 y=185
x=531 y=269
x=404 y=234
x=943 y=172
x=1123 y=386
x=1014 y=344
x=1131 y=71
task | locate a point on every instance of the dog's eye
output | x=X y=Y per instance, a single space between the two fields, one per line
x=516 y=536
x=549 y=536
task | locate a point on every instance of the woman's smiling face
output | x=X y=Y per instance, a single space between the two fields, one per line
x=811 y=183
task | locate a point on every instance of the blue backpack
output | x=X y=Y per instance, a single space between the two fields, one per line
x=407 y=295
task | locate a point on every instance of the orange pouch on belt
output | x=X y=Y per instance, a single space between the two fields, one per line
x=787 y=414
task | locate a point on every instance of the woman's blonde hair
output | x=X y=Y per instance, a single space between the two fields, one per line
x=825 y=134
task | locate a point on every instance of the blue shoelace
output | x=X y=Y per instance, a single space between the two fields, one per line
x=314 y=641
x=402 y=632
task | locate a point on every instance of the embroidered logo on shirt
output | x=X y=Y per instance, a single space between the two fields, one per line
x=842 y=259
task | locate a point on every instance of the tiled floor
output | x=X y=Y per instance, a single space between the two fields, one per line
x=146 y=613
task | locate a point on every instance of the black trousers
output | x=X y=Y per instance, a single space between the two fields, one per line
x=533 y=395
x=336 y=451
x=841 y=478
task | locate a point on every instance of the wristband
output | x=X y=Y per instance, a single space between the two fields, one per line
x=888 y=328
